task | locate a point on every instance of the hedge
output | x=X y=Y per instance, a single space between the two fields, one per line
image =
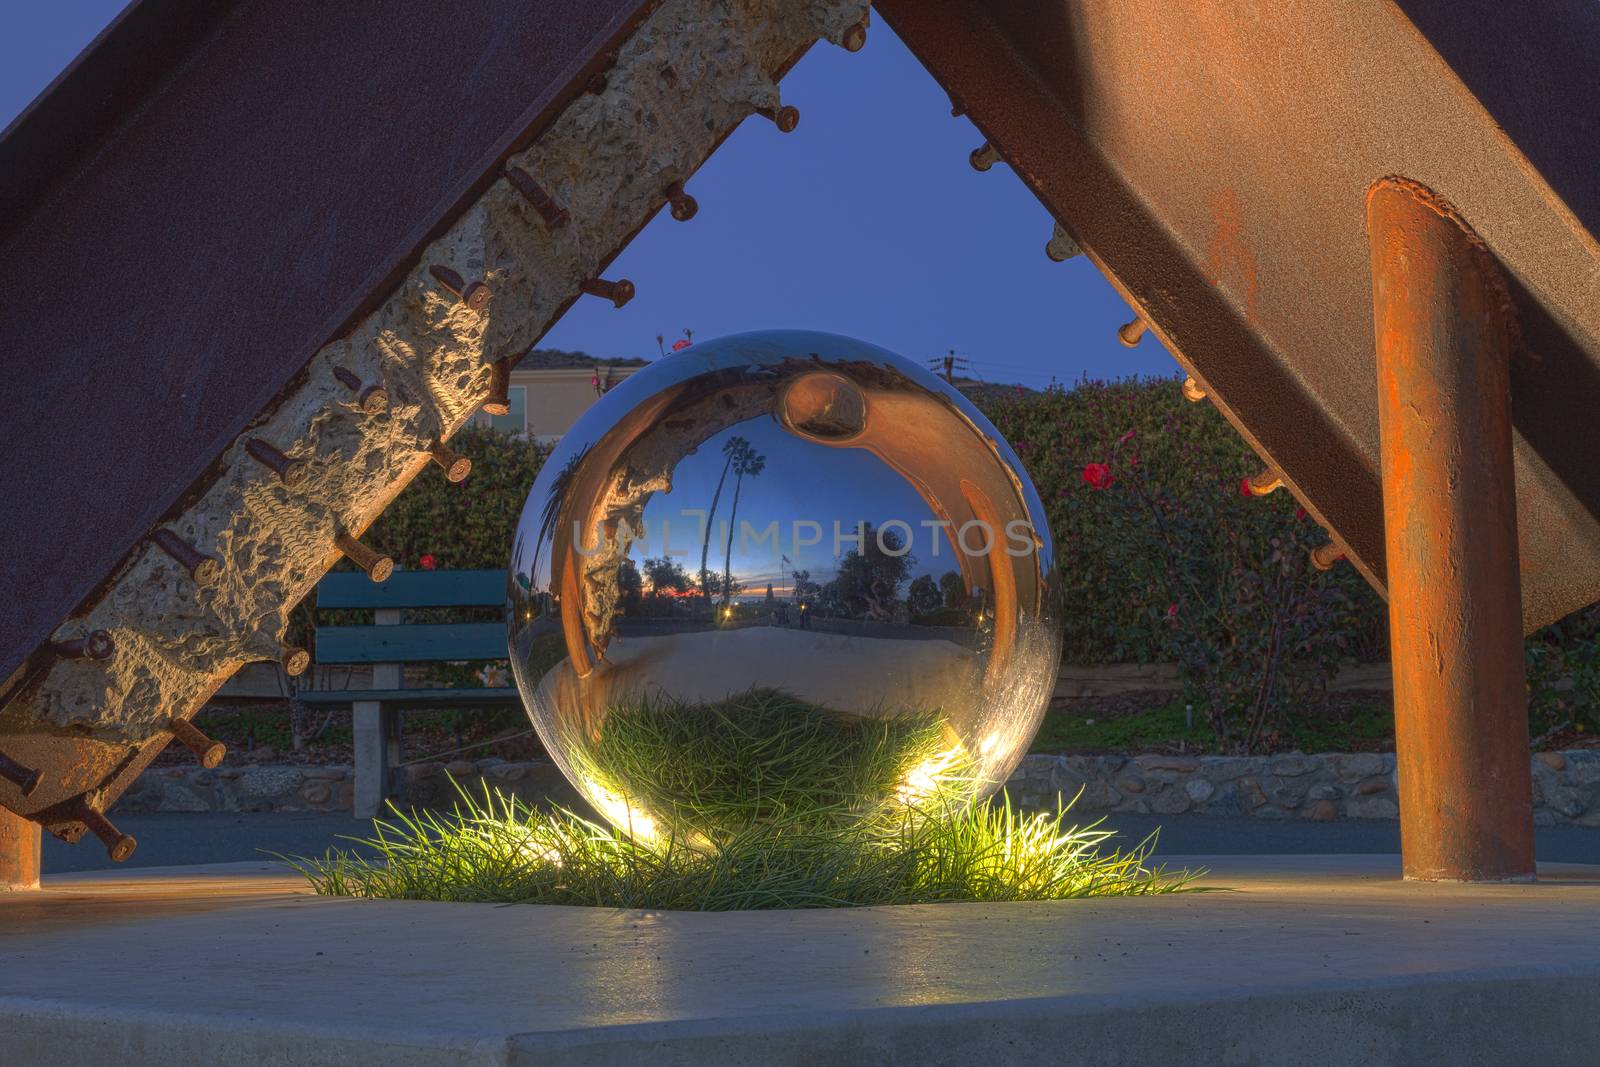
x=1117 y=593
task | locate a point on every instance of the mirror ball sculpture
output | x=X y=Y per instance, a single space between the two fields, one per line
x=781 y=577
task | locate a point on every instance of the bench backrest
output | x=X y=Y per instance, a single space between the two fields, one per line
x=412 y=642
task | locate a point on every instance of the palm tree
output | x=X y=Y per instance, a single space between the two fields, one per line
x=733 y=447
x=750 y=462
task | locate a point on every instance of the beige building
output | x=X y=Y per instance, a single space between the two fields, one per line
x=550 y=390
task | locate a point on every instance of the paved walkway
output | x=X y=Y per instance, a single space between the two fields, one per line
x=178 y=839
x=1315 y=960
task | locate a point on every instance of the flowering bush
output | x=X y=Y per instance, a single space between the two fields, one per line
x=465 y=526
x=1088 y=449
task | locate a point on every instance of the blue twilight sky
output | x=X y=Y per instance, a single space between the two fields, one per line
x=866 y=221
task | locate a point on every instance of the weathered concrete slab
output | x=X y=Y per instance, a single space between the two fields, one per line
x=1312 y=959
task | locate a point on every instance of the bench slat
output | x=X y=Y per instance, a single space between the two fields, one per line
x=413 y=589
x=465 y=697
x=411 y=642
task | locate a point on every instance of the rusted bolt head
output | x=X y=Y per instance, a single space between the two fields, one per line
x=207 y=571
x=213 y=755
x=855 y=38
x=1323 y=557
x=1130 y=333
x=477 y=296
x=380 y=569
x=496 y=407
x=120 y=849
x=621 y=293
x=684 y=206
x=295 y=660
x=1192 y=391
x=458 y=470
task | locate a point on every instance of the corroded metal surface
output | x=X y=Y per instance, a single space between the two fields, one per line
x=215 y=216
x=1213 y=160
x=389 y=347
x=1443 y=333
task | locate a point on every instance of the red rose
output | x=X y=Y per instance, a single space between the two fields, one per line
x=1300 y=513
x=428 y=562
x=1097 y=476
x=1244 y=487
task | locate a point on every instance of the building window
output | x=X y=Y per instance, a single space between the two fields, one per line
x=516 y=421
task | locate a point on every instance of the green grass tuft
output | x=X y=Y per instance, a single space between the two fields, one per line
x=496 y=849
x=710 y=771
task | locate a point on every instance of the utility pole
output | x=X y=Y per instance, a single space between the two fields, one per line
x=948 y=364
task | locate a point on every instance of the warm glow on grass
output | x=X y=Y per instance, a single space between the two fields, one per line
x=497 y=849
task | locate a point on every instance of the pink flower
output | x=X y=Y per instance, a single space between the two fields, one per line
x=1125 y=438
x=1172 y=610
x=1244 y=487
x=1300 y=513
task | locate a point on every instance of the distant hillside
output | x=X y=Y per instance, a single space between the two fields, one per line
x=556 y=359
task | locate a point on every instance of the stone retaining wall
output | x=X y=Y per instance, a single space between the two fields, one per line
x=1361 y=785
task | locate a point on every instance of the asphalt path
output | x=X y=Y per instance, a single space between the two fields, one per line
x=177 y=839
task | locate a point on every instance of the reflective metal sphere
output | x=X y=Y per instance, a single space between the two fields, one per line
x=776 y=574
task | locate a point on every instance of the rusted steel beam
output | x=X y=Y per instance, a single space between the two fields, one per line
x=1216 y=178
x=1443 y=331
x=19 y=852
x=218 y=141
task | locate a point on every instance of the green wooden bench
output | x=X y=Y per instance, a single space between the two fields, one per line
x=390 y=644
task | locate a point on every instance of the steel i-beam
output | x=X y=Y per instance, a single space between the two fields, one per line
x=19 y=852
x=1443 y=328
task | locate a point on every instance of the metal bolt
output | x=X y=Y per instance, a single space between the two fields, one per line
x=1323 y=557
x=683 y=205
x=119 y=846
x=201 y=567
x=618 y=292
x=983 y=157
x=855 y=38
x=26 y=779
x=475 y=296
x=378 y=567
x=294 y=659
x=1061 y=247
x=1268 y=481
x=96 y=644
x=499 y=401
x=187 y=734
x=1130 y=333
x=786 y=118
x=290 y=472
x=372 y=399
x=1192 y=391
x=554 y=215
x=456 y=467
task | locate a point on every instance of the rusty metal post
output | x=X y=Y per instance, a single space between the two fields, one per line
x=1442 y=323
x=19 y=852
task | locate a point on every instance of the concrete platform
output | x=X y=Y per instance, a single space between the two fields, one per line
x=1326 y=960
